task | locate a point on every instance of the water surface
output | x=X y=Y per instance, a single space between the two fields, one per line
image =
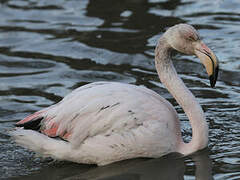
x=48 y=48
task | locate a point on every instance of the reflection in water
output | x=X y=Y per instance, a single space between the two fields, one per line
x=203 y=166
x=165 y=168
x=136 y=170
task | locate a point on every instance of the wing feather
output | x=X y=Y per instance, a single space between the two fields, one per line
x=100 y=108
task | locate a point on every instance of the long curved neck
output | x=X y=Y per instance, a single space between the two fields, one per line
x=183 y=96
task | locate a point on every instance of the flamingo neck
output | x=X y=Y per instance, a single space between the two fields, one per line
x=184 y=97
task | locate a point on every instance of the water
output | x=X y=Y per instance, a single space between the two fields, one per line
x=48 y=48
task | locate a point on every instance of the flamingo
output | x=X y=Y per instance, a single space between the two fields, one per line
x=104 y=122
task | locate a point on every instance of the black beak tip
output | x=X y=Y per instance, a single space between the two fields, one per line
x=213 y=77
x=212 y=81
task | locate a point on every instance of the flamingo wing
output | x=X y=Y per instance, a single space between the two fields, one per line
x=97 y=109
x=38 y=121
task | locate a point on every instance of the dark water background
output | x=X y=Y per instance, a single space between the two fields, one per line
x=50 y=47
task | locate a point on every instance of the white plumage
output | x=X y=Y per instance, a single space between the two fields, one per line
x=117 y=120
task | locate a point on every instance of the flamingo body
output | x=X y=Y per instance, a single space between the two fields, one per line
x=117 y=120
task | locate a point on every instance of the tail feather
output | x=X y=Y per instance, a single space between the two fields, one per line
x=41 y=143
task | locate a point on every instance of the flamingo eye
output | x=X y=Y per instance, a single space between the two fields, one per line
x=192 y=38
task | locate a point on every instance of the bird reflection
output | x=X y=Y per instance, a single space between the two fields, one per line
x=203 y=165
x=166 y=168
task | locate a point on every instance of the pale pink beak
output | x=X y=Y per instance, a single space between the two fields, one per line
x=209 y=60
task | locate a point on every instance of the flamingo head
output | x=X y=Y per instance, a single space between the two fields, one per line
x=185 y=38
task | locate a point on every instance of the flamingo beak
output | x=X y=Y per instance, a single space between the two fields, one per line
x=209 y=60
